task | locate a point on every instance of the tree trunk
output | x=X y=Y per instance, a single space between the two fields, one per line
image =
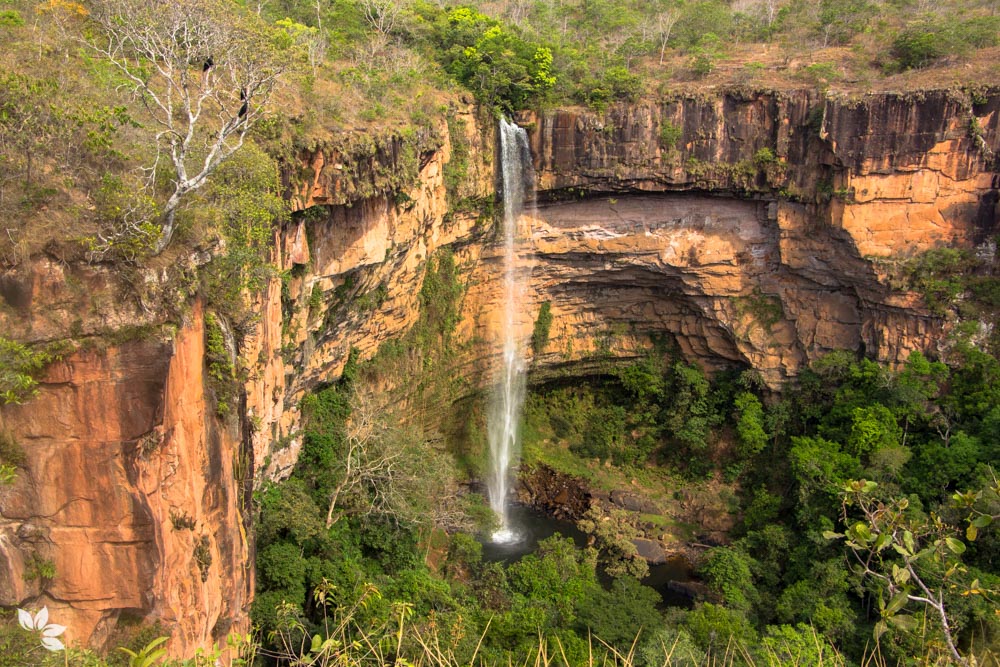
x=166 y=232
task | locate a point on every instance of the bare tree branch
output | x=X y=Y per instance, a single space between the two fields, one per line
x=204 y=75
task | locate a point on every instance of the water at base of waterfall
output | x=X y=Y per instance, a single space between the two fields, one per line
x=505 y=536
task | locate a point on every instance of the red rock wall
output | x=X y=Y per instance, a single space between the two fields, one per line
x=129 y=491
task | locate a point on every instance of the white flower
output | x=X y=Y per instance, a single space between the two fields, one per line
x=40 y=623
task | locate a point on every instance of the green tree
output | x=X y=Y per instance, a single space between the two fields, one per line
x=503 y=70
x=728 y=571
x=689 y=417
x=750 y=425
x=820 y=469
x=872 y=428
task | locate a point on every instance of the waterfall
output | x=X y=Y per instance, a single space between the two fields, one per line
x=503 y=419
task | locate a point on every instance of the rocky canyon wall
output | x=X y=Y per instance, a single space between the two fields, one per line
x=748 y=229
x=811 y=199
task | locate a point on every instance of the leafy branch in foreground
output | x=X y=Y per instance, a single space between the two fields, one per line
x=915 y=559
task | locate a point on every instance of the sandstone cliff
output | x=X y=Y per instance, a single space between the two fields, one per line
x=749 y=229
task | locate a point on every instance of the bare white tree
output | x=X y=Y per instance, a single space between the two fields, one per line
x=382 y=15
x=664 y=25
x=203 y=72
x=370 y=467
x=386 y=470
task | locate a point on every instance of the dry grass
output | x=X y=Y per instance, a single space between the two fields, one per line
x=774 y=67
x=401 y=640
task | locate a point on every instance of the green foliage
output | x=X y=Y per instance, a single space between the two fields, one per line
x=243 y=206
x=127 y=215
x=10 y=18
x=764 y=157
x=690 y=415
x=148 y=655
x=604 y=435
x=715 y=628
x=439 y=300
x=503 y=70
x=821 y=598
x=940 y=275
x=921 y=560
x=873 y=428
x=221 y=372
x=750 y=425
x=923 y=42
x=19 y=367
x=728 y=571
x=840 y=20
x=820 y=468
x=465 y=554
x=613 y=533
x=540 y=332
x=47 y=136
x=798 y=645
x=615 y=84
x=18 y=647
x=456 y=170
x=821 y=75
x=40 y=569
x=670 y=135
x=701 y=18
x=704 y=54
x=919 y=46
x=620 y=613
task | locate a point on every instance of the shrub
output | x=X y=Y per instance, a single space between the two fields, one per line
x=670 y=134
x=540 y=334
x=764 y=157
x=918 y=47
x=10 y=18
x=704 y=54
x=18 y=367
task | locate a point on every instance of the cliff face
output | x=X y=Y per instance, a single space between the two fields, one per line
x=128 y=493
x=748 y=229
x=762 y=280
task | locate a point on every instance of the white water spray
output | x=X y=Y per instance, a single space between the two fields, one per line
x=504 y=415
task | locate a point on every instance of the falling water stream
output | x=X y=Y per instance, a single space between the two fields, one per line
x=520 y=527
x=504 y=415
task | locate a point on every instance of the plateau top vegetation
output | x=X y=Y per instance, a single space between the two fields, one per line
x=148 y=99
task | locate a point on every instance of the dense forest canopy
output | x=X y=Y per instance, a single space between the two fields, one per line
x=864 y=497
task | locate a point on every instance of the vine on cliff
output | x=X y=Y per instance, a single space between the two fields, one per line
x=221 y=372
